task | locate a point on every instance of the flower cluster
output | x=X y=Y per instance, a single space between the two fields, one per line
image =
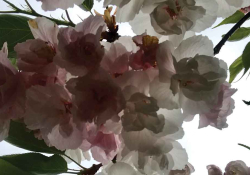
x=234 y=167
x=126 y=99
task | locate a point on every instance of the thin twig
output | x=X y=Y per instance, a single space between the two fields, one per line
x=67 y=14
x=31 y=8
x=73 y=169
x=227 y=36
x=244 y=146
x=74 y=161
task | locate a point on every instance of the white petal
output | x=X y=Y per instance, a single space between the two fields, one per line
x=164 y=96
x=128 y=11
x=141 y=24
x=209 y=18
x=121 y=168
x=195 y=45
x=44 y=29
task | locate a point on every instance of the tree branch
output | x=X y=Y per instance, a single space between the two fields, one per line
x=34 y=13
x=227 y=36
x=91 y=170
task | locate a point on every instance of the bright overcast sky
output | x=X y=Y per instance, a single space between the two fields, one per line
x=204 y=146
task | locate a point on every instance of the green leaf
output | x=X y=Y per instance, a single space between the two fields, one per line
x=87 y=5
x=246 y=57
x=20 y=137
x=240 y=34
x=8 y=169
x=235 y=68
x=38 y=164
x=232 y=19
x=14 y=29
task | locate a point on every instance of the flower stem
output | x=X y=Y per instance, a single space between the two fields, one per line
x=227 y=36
x=72 y=172
x=244 y=146
x=74 y=161
x=72 y=169
x=32 y=12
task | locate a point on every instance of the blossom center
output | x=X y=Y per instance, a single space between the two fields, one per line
x=173 y=12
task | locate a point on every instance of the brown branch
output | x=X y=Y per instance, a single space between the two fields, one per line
x=227 y=36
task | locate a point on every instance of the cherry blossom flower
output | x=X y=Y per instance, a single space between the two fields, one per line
x=214 y=170
x=50 y=5
x=12 y=105
x=49 y=109
x=217 y=116
x=79 y=48
x=158 y=150
x=167 y=17
x=145 y=57
x=44 y=29
x=104 y=146
x=190 y=79
x=36 y=56
x=116 y=58
x=237 y=167
x=97 y=98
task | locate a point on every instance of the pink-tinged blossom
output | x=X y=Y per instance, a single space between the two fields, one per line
x=217 y=116
x=79 y=48
x=145 y=57
x=50 y=5
x=104 y=147
x=214 y=170
x=12 y=104
x=96 y=97
x=237 y=167
x=115 y=60
x=36 y=56
x=44 y=29
x=49 y=110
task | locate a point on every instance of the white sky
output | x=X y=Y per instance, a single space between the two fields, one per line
x=204 y=146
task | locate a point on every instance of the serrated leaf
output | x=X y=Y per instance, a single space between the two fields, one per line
x=235 y=68
x=232 y=19
x=246 y=57
x=20 y=137
x=14 y=29
x=8 y=169
x=37 y=164
x=87 y=5
x=240 y=34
